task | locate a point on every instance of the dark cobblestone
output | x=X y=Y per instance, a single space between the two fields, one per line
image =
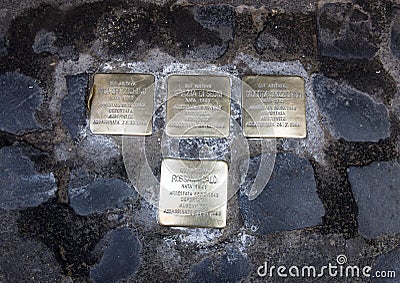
x=20 y=98
x=99 y=196
x=395 y=36
x=345 y=32
x=375 y=188
x=73 y=107
x=288 y=34
x=44 y=42
x=121 y=258
x=350 y=114
x=232 y=266
x=21 y=185
x=288 y=202
x=3 y=49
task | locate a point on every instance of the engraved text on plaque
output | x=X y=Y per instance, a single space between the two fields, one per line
x=198 y=105
x=122 y=104
x=193 y=193
x=273 y=106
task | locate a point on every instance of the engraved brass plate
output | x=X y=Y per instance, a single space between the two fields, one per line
x=198 y=106
x=122 y=104
x=193 y=193
x=273 y=106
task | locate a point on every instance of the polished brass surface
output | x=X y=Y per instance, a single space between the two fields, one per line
x=273 y=106
x=198 y=106
x=193 y=193
x=122 y=104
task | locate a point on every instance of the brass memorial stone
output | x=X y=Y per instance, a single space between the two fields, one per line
x=273 y=106
x=122 y=104
x=193 y=193
x=198 y=106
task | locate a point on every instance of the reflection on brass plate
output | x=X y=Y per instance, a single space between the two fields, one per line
x=198 y=106
x=122 y=104
x=193 y=193
x=273 y=106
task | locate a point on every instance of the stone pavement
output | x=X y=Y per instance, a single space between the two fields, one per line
x=68 y=211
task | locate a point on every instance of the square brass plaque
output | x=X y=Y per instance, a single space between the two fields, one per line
x=273 y=106
x=122 y=104
x=198 y=106
x=193 y=193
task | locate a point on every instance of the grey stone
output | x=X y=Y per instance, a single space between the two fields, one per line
x=23 y=259
x=73 y=108
x=3 y=49
x=345 y=32
x=232 y=266
x=204 y=32
x=121 y=258
x=350 y=114
x=88 y=197
x=20 y=98
x=219 y=18
x=387 y=262
x=44 y=42
x=289 y=201
x=68 y=53
x=395 y=37
x=285 y=36
x=206 y=51
x=376 y=191
x=21 y=185
x=267 y=41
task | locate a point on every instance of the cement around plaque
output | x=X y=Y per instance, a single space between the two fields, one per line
x=143 y=155
x=273 y=106
x=238 y=147
x=193 y=193
x=201 y=102
x=122 y=104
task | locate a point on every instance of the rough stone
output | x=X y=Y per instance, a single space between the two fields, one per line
x=20 y=98
x=268 y=41
x=288 y=36
x=395 y=37
x=199 y=39
x=387 y=262
x=376 y=191
x=219 y=18
x=232 y=266
x=51 y=242
x=289 y=201
x=70 y=237
x=121 y=258
x=44 y=42
x=206 y=51
x=73 y=106
x=349 y=113
x=21 y=185
x=3 y=49
x=345 y=32
x=68 y=53
x=368 y=76
x=98 y=196
x=24 y=260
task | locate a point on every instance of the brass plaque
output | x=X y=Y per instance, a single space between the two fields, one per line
x=198 y=106
x=273 y=106
x=122 y=104
x=193 y=193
